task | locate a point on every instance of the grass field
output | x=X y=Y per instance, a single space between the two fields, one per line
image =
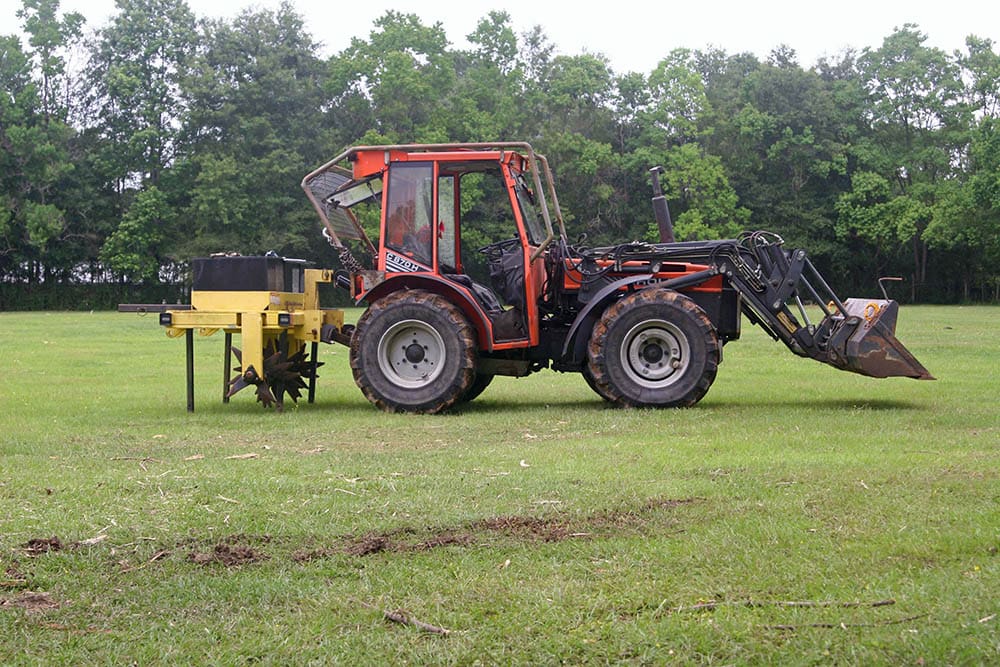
x=536 y=525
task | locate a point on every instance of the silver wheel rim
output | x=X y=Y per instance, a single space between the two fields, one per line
x=411 y=354
x=655 y=354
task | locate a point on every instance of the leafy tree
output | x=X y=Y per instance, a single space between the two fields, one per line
x=401 y=73
x=50 y=35
x=253 y=126
x=793 y=157
x=577 y=131
x=981 y=67
x=678 y=102
x=495 y=43
x=871 y=213
x=703 y=204
x=35 y=139
x=487 y=103
x=136 y=67
x=132 y=250
x=966 y=221
x=918 y=124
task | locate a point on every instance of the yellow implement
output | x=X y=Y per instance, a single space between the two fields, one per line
x=272 y=303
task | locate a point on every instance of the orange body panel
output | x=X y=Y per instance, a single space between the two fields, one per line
x=573 y=279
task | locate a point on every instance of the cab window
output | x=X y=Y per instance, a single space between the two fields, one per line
x=529 y=209
x=446 y=224
x=409 y=210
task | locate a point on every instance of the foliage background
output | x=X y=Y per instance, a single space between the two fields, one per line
x=128 y=148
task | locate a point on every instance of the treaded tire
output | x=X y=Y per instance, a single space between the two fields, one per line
x=589 y=378
x=413 y=351
x=653 y=348
x=478 y=386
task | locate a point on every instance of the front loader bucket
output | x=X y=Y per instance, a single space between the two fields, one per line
x=865 y=342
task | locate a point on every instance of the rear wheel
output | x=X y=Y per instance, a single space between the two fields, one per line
x=413 y=351
x=477 y=387
x=653 y=348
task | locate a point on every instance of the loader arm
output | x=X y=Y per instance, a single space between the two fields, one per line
x=775 y=284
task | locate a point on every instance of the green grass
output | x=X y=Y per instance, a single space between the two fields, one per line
x=536 y=524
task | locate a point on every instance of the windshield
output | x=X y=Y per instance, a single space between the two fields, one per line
x=529 y=210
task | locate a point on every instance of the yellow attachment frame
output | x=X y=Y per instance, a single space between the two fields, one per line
x=259 y=317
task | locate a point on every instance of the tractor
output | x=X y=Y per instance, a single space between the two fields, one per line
x=453 y=302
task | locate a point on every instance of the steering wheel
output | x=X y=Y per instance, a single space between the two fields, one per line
x=500 y=247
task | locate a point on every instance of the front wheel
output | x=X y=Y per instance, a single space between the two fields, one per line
x=413 y=351
x=589 y=379
x=653 y=348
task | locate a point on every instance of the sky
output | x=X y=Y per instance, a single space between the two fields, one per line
x=634 y=36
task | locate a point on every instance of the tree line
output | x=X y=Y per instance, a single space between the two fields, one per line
x=160 y=136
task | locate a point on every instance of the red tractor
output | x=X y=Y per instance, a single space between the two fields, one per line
x=644 y=323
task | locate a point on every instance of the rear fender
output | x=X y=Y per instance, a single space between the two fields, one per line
x=457 y=294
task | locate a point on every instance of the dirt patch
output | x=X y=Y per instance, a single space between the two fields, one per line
x=654 y=516
x=308 y=555
x=649 y=515
x=520 y=528
x=529 y=528
x=230 y=555
x=13 y=578
x=444 y=541
x=42 y=545
x=30 y=602
x=668 y=503
x=369 y=544
x=651 y=512
x=243 y=538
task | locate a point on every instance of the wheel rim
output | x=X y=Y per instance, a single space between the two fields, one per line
x=655 y=353
x=411 y=353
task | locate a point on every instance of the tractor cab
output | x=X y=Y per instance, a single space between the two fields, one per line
x=467 y=222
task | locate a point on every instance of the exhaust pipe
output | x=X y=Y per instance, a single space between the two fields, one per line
x=660 y=209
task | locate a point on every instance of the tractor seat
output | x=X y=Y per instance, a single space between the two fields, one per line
x=484 y=295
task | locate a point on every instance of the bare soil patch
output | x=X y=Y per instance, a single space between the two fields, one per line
x=13 y=577
x=229 y=555
x=518 y=528
x=30 y=601
x=231 y=551
x=42 y=545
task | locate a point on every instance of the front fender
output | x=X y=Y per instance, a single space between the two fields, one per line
x=455 y=293
x=575 y=348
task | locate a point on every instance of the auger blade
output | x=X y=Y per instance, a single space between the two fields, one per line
x=265 y=396
x=236 y=384
x=284 y=374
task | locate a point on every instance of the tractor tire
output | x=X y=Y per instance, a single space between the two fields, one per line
x=589 y=378
x=653 y=348
x=477 y=387
x=413 y=351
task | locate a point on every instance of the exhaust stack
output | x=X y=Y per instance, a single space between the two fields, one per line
x=660 y=209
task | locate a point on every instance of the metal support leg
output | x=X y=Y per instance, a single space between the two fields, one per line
x=312 y=376
x=189 y=340
x=227 y=367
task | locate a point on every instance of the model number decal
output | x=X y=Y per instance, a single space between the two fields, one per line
x=398 y=264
